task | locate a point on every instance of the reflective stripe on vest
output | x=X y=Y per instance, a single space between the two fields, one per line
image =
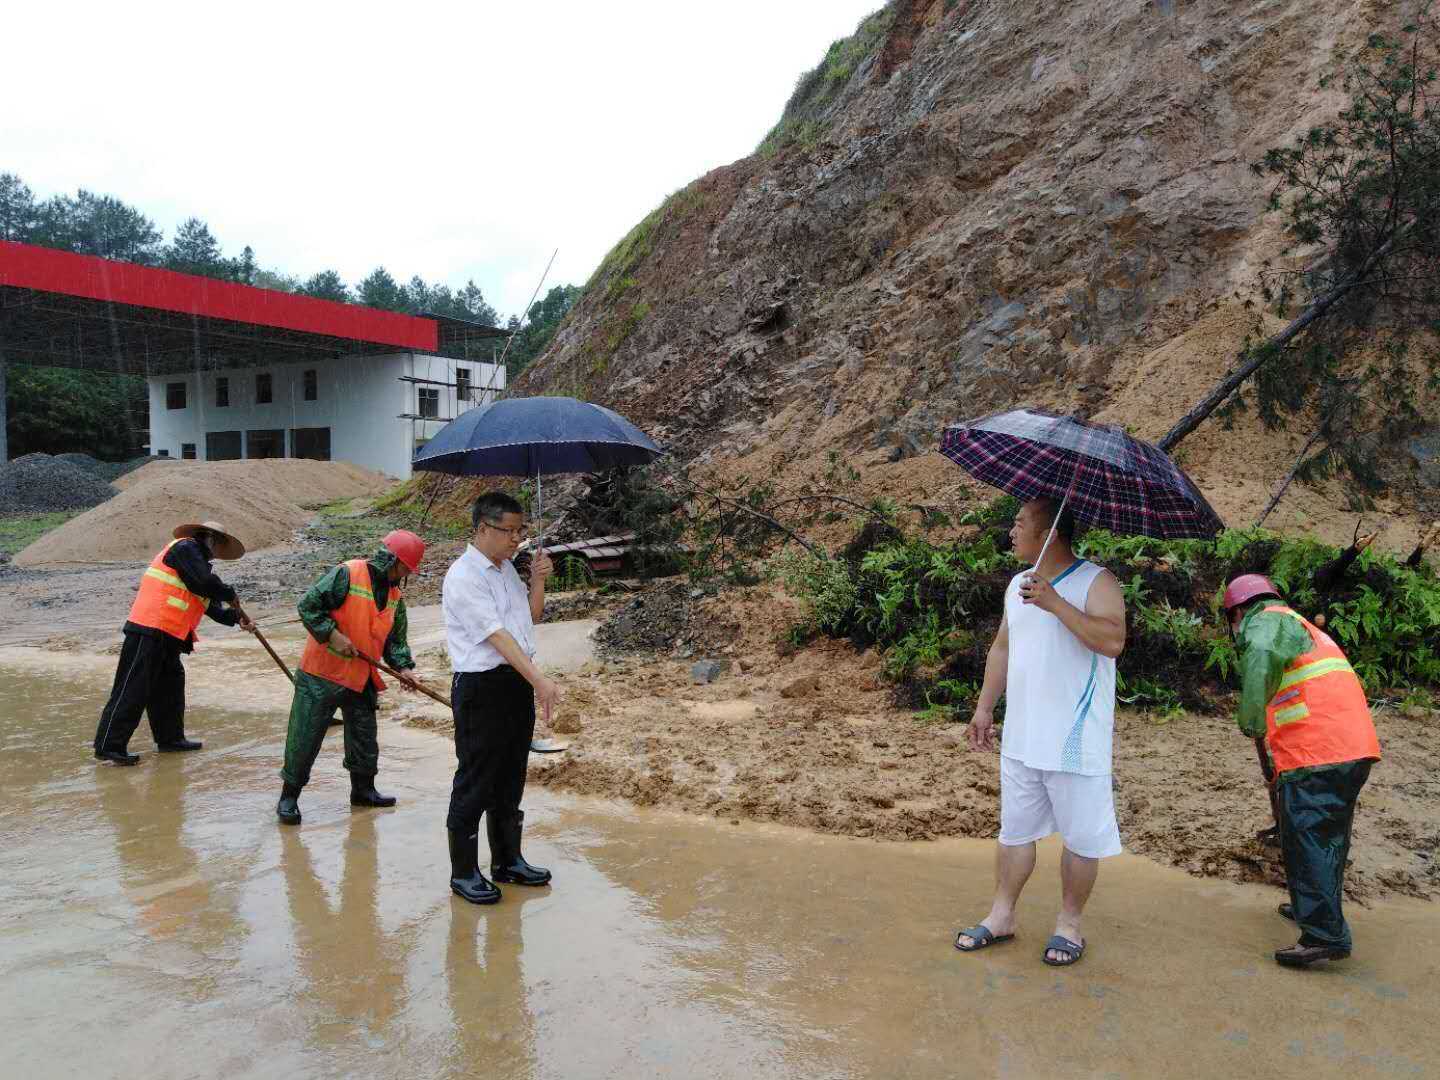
x=363 y=623
x=164 y=603
x=1319 y=714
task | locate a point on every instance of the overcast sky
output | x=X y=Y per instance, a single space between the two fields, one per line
x=449 y=140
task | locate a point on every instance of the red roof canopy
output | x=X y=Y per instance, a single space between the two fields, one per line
x=68 y=310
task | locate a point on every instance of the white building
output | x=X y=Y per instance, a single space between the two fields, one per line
x=371 y=410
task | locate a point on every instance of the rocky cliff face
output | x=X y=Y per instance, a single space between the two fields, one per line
x=1005 y=201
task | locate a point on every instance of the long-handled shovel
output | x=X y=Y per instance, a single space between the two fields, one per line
x=539 y=746
x=1268 y=771
x=273 y=654
x=434 y=694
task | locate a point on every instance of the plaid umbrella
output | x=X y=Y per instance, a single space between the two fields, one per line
x=1107 y=478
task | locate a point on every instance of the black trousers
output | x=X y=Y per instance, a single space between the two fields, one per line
x=148 y=679
x=1316 y=813
x=494 y=722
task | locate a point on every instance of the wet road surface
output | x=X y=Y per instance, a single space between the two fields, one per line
x=157 y=922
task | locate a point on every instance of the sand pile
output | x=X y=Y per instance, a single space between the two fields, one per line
x=263 y=502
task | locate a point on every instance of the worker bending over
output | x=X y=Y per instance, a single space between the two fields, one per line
x=1301 y=696
x=353 y=612
x=176 y=591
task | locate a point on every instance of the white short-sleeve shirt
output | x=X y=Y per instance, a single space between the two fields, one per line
x=478 y=598
x=1059 y=695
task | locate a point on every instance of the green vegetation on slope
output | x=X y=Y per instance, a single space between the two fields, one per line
x=804 y=120
x=934 y=609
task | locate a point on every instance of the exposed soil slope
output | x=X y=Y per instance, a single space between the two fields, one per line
x=1003 y=202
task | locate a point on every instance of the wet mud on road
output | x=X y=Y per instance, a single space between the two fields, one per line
x=157 y=922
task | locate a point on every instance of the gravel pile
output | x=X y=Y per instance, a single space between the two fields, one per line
x=105 y=471
x=39 y=483
x=656 y=622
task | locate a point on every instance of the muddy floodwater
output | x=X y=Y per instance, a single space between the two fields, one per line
x=157 y=922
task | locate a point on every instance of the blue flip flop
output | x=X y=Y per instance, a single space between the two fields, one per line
x=1064 y=945
x=982 y=938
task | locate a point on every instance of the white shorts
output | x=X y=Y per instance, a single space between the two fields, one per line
x=1037 y=802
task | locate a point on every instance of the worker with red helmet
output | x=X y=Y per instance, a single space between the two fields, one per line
x=1300 y=695
x=355 y=611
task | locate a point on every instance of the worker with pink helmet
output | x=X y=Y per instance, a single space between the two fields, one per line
x=1303 y=703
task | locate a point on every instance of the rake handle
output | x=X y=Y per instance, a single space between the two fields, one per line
x=273 y=654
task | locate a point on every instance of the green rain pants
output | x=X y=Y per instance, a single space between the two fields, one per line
x=316 y=700
x=1316 y=812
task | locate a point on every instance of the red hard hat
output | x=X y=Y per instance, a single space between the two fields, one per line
x=1248 y=587
x=405 y=546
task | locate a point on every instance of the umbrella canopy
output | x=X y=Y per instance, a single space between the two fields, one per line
x=536 y=436
x=1107 y=478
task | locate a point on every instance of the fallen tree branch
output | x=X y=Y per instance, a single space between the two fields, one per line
x=1290 y=476
x=1257 y=358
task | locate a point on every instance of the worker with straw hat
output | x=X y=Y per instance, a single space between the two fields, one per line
x=176 y=591
x=1301 y=697
x=353 y=615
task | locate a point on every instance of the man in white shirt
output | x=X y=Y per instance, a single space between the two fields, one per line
x=1054 y=658
x=490 y=630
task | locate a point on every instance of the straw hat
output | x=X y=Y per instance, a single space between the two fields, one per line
x=226 y=545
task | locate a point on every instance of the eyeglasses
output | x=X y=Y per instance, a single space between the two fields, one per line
x=517 y=533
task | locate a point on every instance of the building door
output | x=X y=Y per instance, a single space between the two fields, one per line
x=265 y=443
x=310 y=442
x=222 y=446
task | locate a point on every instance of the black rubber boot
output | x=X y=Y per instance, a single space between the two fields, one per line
x=363 y=793
x=507 y=865
x=179 y=746
x=466 y=881
x=119 y=757
x=288 y=809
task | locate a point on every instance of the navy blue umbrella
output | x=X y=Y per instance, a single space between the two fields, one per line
x=536 y=436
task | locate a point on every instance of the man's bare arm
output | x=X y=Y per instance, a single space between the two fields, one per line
x=981 y=732
x=1100 y=627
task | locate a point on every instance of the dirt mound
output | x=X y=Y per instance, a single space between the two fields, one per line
x=264 y=502
x=144 y=468
x=39 y=483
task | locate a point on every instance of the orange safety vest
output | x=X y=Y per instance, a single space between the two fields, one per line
x=163 y=602
x=1319 y=715
x=364 y=624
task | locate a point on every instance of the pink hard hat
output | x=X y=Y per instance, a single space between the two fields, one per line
x=1248 y=587
x=405 y=546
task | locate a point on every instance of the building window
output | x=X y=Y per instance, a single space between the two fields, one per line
x=310 y=442
x=162 y=453
x=175 y=395
x=266 y=443
x=222 y=392
x=264 y=389
x=462 y=384
x=429 y=402
x=187 y=451
x=222 y=446
x=312 y=385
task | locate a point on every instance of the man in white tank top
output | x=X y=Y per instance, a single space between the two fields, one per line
x=1054 y=659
